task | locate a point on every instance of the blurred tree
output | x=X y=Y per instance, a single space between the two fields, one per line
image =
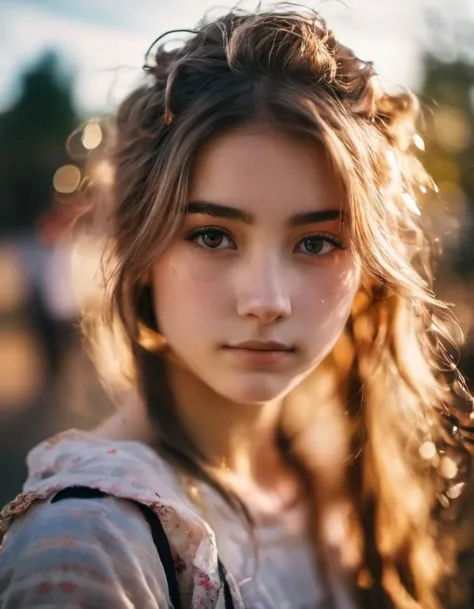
x=447 y=94
x=32 y=143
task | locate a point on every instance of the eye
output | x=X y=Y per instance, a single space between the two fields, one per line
x=319 y=245
x=212 y=238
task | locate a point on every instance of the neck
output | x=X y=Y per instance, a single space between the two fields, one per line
x=240 y=438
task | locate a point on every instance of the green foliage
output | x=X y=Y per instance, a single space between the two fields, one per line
x=32 y=144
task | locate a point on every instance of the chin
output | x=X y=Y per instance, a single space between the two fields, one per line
x=255 y=391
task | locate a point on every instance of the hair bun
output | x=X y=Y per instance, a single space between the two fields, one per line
x=291 y=45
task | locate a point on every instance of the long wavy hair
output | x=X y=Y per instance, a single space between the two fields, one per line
x=385 y=395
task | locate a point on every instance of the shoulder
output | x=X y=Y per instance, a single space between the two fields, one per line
x=125 y=467
x=82 y=552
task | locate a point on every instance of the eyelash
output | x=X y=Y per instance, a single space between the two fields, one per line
x=328 y=238
x=204 y=230
x=193 y=235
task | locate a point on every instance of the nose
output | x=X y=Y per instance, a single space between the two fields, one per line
x=264 y=291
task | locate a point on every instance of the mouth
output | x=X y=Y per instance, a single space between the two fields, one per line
x=260 y=354
x=262 y=346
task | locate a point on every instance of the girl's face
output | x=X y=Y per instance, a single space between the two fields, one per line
x=257 y=288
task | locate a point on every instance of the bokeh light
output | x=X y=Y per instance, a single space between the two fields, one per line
x=22 y=368
x=67 y=179
x=92 y=136
x=452 y=129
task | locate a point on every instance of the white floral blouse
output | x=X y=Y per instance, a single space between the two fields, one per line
x=100 y=553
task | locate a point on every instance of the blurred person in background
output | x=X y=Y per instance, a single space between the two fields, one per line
x=41 y=357
x=292 y=417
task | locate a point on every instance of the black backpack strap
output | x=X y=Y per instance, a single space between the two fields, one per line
x=229 y=603
x=159 y=536
x=164 y=552
x=159 y=539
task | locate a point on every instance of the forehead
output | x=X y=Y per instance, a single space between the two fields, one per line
x=264 y=170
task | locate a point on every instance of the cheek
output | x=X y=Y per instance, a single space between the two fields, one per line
x=185 y=294
x=328 y=302
x=340 y=288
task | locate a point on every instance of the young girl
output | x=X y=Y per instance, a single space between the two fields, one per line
x=293 y=431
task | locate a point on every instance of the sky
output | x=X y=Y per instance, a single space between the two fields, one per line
x=103 y=41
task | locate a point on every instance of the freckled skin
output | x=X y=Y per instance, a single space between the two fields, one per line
x=260 y=282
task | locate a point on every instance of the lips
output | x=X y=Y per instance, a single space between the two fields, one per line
x=261 y=346
x=260 y=355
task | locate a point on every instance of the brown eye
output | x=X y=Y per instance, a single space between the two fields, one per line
x=314 y=246
x=319 y=245
x=212 y=238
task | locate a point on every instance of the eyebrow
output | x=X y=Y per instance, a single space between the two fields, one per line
x=217 y=210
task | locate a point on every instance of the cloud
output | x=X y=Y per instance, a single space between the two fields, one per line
x=104 y=59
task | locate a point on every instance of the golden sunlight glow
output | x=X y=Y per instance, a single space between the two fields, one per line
x=103 y=173
x=393 y=164
x=418 y=141
x=411 y=203
x=452 y=127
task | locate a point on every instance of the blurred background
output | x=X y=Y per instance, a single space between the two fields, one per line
x=64 y=65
